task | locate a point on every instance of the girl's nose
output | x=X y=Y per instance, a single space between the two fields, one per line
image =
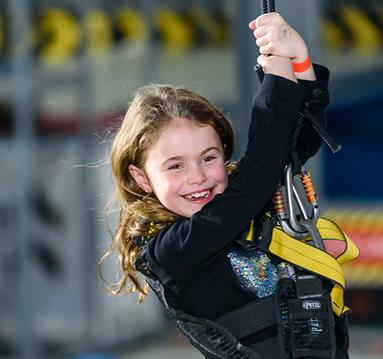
x=196 y=175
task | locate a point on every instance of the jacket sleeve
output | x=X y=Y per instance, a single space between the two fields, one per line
x=316 y=100
x=189 y=245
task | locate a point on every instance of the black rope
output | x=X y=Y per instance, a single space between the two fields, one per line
x=267 y=6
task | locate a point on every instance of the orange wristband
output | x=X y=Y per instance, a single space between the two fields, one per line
x=302 y=66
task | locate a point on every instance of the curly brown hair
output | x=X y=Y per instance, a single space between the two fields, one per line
x=149 y=113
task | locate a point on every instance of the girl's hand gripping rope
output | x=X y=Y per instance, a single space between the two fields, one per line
x=274 y=36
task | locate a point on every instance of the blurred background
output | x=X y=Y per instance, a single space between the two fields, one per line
x=67 y=71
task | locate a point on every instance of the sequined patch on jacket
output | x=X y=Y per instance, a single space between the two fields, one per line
x=256 y=273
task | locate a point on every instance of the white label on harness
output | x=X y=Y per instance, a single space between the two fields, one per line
x=311 y=304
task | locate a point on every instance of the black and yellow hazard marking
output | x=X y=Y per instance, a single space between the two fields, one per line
x=209 y=29
x=354 y=26
x=131 y=24
x=59 y=35
x=175 y=33
x=98 y=31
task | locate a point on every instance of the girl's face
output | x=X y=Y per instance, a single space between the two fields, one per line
x=184 y=168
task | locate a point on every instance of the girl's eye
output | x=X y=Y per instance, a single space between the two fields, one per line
x=209 y=158
x=176 y=166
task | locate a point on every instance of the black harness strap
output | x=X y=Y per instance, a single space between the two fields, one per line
x=212 y=339
x=321 y=130
x=250 y=318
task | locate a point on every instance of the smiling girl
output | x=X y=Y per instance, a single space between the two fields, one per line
x=184 y=205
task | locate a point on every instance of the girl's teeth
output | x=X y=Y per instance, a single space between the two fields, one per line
x=198 y=195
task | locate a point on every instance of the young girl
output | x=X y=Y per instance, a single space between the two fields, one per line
x=184 y=205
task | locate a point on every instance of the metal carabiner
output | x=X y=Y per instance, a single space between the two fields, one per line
x=290 y=209
x=283 y=217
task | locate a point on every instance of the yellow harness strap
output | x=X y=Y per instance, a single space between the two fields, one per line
x=315 y=260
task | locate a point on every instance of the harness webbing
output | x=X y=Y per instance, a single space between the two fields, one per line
x=250 y=318
x=312 y=259
x=211 y=338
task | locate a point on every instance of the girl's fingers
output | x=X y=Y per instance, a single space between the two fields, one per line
x=267 y=49
x=261 y=31
x=261 y=20
x=252 y=25
x=262 y=41
x=277 y=65
x=261 y=60
x=264 y=19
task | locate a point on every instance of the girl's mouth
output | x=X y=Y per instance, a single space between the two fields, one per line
x=200 y=196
